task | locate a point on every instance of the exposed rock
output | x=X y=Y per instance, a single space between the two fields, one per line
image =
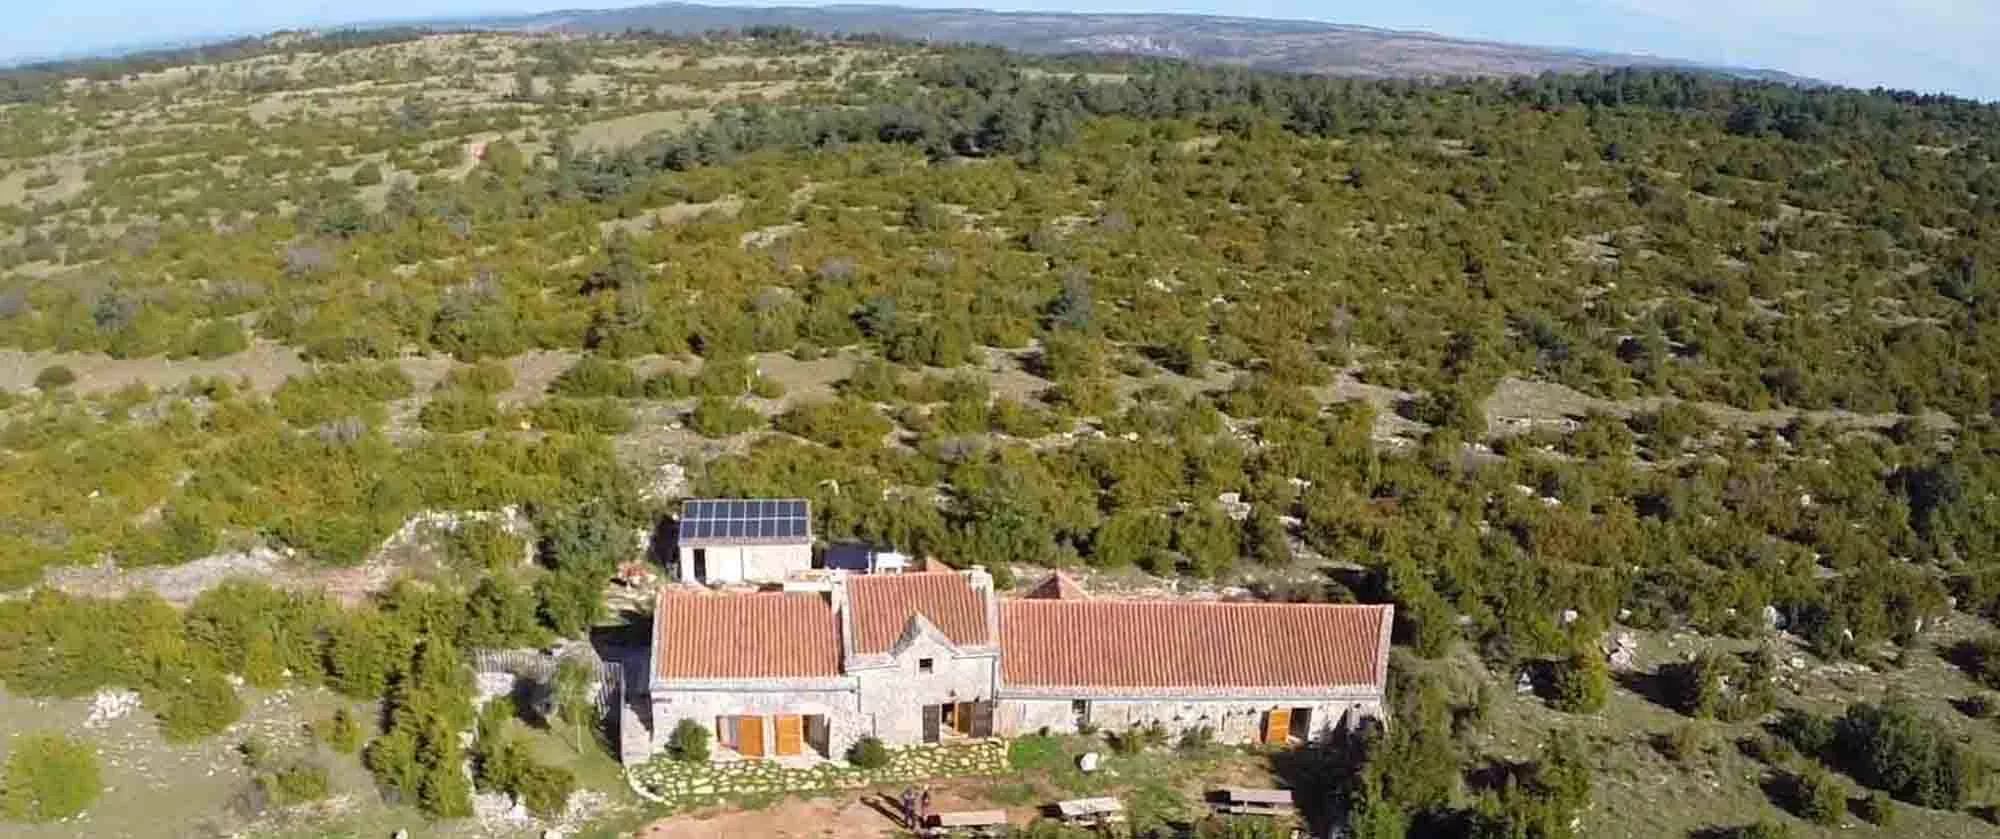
x=110 y=705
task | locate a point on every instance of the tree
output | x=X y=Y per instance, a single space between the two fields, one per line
x=1583 y=683
x=576 y=694
x=49 y=777
x=1817 y=797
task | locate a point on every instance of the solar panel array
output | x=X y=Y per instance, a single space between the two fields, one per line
x=755 y=519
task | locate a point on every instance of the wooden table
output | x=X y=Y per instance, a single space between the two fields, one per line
x=1250 y=801
x=976 y=822
x=1092 y=810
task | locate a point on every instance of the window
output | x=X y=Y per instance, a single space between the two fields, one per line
x=926 y=665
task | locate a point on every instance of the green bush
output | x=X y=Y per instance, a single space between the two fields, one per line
x=868 y=753
x=579 y=416
x=334 y=393
x=1817 y=797
x=718 y=416
x=300 y=783
x=367 y=174
x=591 y=376
x=55 y=376
x=841 y=423
x=219 y=337
x=454 y=412
x=482 y=377
x=1878 y=809
x=49 y=777
x=484 y=546
x=339 y=732
x=1895 y=748
x=1583 y=683
x=194 y=705
x=689 y=742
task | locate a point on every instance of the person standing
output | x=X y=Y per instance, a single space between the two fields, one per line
x=910 y=809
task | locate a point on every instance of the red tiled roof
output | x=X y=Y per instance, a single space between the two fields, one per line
x=749 y=636
x=883 y=603
x=1140 y=644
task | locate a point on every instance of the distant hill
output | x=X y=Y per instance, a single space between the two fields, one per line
x=1281 y=45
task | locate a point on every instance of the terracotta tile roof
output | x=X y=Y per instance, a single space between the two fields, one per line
x=883 y=603
x=748 y=636
x=1058 y=586
x=1141 y=644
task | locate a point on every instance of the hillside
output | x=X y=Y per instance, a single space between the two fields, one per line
x=1276 y=45
x=1661 y=405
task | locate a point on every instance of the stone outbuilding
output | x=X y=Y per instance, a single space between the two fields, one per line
x=727 y=541
x=932 y=656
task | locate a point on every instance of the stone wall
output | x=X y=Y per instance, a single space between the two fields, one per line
x=893 y=695
x=845 y=722
x=1232 y=721
x=699 y=783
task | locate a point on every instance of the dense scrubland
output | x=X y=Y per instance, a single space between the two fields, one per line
x=1201 y=323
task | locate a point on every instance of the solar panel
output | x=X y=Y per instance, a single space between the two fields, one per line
x=745 y=519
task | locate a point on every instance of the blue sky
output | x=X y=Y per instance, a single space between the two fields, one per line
x=1928 y=45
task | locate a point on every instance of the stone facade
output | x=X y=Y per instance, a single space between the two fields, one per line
x=731 y=564
x=1229 y=720
x=898 y=693
x=833 y=700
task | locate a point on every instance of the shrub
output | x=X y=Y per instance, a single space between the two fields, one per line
x=841 y=424
x=718 y=416
x=335 y=393
x=49 y=777
x=868 y=753
x=367 y=174
x=1583 y=683
x=218 y=338
x=593 y=376
x=578 y=416
x=299 y=783
x=484 y=545
x=55 y=376
x=1196 y=740
x=1755 y=830
x=454 y=412
x=1877 y=808
x=1139 y=738
x=194 y=705
x=339 y=732
x=689 y=742
x=1683 y=743
x=1695 y=687
x=1893 y=747
x=484 y=377
x=1817 y=797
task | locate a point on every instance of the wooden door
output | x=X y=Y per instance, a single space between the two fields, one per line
x=982 y=720
x=1278 y=726
x=933 y=721
x=791 y=735
x=961 y=717
x=750 y=736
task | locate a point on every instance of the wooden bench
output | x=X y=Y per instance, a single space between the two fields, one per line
x=1249 y=801
x=969 y=823
x=1092 y=811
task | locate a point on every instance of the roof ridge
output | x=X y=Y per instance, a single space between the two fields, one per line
x=1113 y=601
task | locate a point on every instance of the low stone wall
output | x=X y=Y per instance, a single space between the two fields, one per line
x=697 y=783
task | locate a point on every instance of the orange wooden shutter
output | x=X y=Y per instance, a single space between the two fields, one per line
x=1278 y=726
x=750 y=736
x=791 y=735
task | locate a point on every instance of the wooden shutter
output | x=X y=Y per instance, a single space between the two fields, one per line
x=1278 y=726
x=932 y=721
x=982 y=719
x=791 y=735
x=750 y=736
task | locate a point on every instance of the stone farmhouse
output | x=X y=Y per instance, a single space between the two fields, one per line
x=935 y=655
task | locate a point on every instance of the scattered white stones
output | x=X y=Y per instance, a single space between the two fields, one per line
x=1233 y=506
x=669 y=482
x=1088 y=762
x=110 y=704
x=492 y=686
